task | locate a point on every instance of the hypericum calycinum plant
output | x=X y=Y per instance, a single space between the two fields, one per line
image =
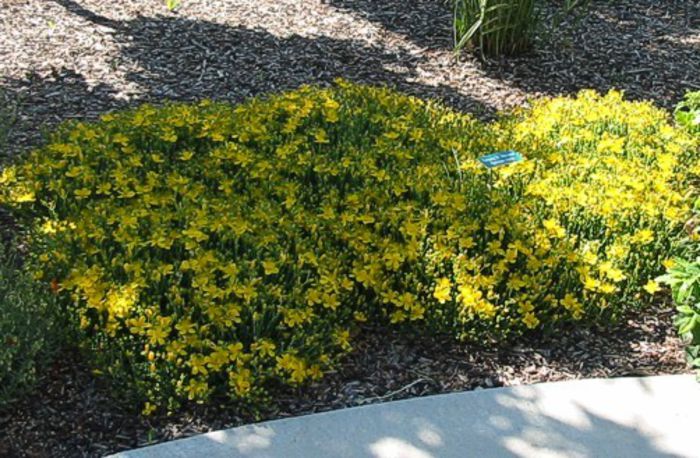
x=215 y=250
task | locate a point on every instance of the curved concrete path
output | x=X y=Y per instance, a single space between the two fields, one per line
x=624 y=417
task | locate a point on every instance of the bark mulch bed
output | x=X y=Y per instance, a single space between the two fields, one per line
x=63 y=59
x=73 y=414
x=76 y=59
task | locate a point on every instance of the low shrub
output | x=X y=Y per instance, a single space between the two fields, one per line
x=687 y=112
x=684 y=279
x=30 y=328
x=683 y=276
x=209 y=249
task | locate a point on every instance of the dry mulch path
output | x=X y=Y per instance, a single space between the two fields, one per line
x=64 y=59
x=72 y=414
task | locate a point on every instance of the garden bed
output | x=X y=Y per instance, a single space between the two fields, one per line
x=385 y=221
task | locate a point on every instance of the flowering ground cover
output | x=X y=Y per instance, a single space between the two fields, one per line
x=208 y=250
x=332 y=245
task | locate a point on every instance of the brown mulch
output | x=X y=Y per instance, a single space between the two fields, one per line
x=73 y=414
x=76 y=59
x=63 y=59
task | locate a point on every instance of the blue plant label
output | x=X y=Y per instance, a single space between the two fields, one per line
x=500 y=158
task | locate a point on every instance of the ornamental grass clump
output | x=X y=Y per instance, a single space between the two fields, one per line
x=209 y=250
x=494 y=27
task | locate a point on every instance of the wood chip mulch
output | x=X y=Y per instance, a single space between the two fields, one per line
x=63 y=59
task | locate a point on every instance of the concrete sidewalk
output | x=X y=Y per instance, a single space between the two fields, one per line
x=625 y=417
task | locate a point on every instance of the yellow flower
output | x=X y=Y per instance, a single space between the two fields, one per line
x=530 y=320
x=157 y=335
x=185 y=326
x=443 y=290
x=294 y=366
x=235 y=351
x=270 y=267
x=315 y=372
x=590 y=283
x=138 y=325
x=360 y=316
x=321 y=136
x=296 y=317
x=393 y=260
x=644 y=236
x=651 y=287
x=197 y=389
x=82 y=193
x=148 y=409
x=398 y=316
x=554 y=228
x=264 y=348
x=241 y=381
x=669 y=263
x=217 y=359
x=342 y=338
x=197 y=365
x=616 y=275
x=8 y=175
x=607 y=288
x=330 y=301
x=314 y=296
x=570 y=303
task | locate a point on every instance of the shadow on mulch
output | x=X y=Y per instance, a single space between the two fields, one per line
x=649 y=49
x=44 y=102
x=427 y=23
x=179 y=58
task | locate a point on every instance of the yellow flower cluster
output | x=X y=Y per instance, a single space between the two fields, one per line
x=209 y=249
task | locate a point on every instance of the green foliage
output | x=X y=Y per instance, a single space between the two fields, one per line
x=8 y=117
x=502 y=27
x=172 y=5
x=684 y=279
x=494 y=27
x=683 y=276
x=210 y=250
x=29 y=327
x=687 y=112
